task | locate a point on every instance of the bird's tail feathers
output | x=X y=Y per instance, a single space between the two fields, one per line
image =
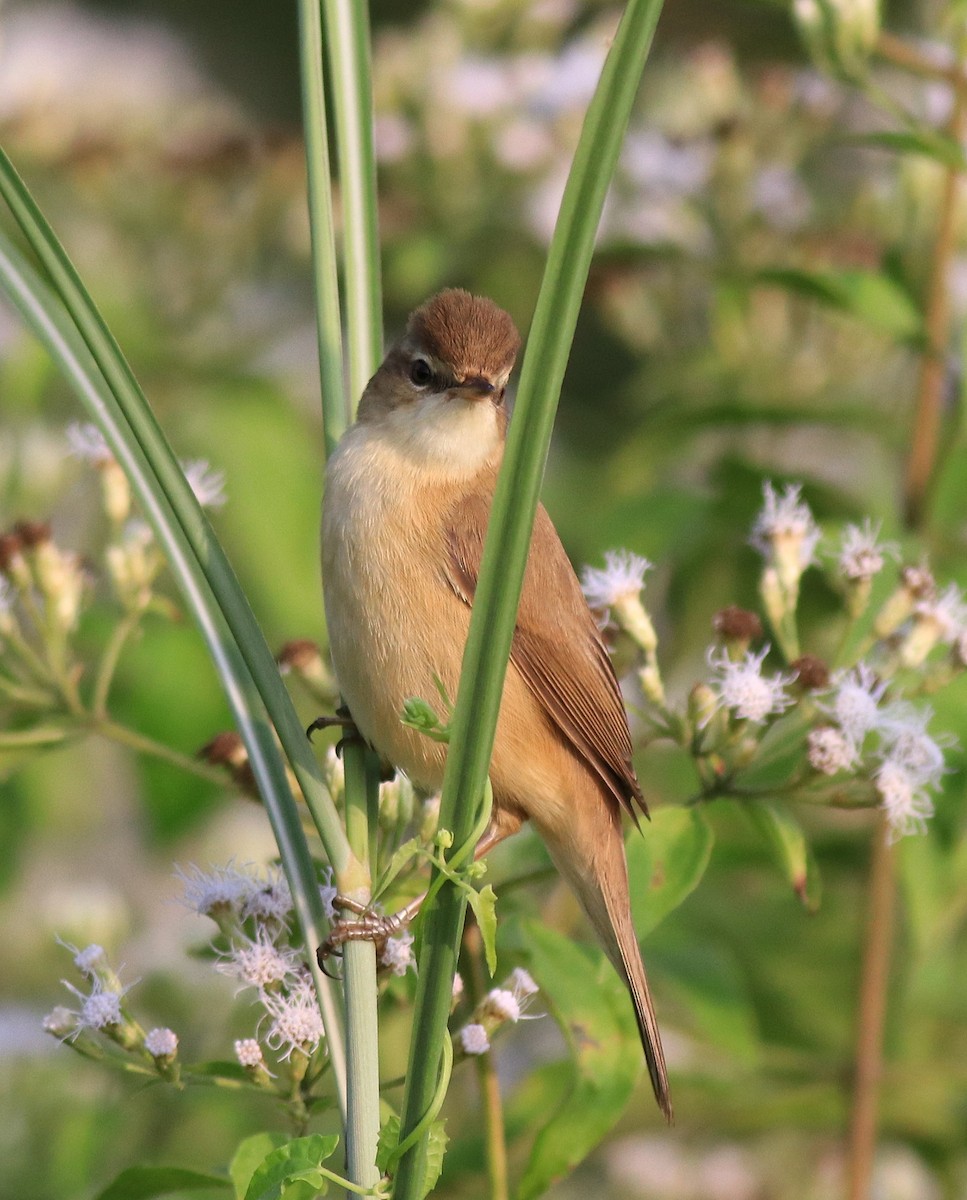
x=602 y=888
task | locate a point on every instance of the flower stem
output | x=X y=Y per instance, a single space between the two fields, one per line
x=146 y=745
x=493 y=1110
x=108 y=665
x=875 y=970
x=925 y=443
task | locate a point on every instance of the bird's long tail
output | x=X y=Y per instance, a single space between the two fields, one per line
x=596 y=869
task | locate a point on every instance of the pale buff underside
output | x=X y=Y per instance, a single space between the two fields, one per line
x=394 y=621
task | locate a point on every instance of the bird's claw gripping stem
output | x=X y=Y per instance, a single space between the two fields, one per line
x=340 y=720
x=365 y=926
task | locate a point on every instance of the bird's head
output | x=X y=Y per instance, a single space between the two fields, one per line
x=440 y=391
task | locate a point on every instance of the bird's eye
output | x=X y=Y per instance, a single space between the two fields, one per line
x=421 y=373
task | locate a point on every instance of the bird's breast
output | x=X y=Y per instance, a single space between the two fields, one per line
x=394 y=624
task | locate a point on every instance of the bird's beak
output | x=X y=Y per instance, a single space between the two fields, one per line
x=474 y=387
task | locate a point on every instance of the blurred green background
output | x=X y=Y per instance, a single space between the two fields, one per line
x=162 y=141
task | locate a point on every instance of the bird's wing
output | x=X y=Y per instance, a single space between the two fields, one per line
x=557 y=647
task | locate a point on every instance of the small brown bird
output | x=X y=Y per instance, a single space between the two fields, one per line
x=408 y=496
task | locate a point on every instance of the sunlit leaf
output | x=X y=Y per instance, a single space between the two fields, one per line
x=140 y=1183
x=287 y=1168
x=592 y=1007
x=868 y=295
x=666 y=863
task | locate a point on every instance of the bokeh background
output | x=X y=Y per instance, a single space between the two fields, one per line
x=162 y=141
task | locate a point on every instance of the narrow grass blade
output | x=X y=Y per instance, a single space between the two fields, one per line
x=46 y=316
x=508 y=538
x=335 y=401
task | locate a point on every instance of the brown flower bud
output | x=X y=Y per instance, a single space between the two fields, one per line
x=812 y=674
x=737 y=624
x=11 y=547
x=301 y=655
x=227 y=749
x=32 y=533
x=919 y=582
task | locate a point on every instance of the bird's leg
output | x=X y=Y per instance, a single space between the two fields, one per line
x=374 y=927
x=342 y=719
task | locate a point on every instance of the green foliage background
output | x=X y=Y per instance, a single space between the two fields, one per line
x=754 y=312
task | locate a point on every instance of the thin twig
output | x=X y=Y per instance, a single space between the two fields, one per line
x=872 y=1010
x=903 y=54
x=933 y=363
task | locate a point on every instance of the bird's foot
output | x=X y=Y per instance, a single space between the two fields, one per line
x=364 y=926
x=341 y=719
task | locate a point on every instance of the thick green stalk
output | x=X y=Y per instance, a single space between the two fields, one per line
x=347 y=47
x=335 y=401
x=508 y=538
x=348 y=51
x=46 y=317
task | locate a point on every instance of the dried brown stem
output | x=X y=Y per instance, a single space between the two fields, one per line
x=868 y=1066
x=496 y=1141
x=933 y=366
x=908 y=57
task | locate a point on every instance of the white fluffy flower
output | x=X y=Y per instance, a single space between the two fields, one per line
x=947 y=612
x=270 y=898
x=207 y=483
x=101 y=1008
x=328 y=893
x=903 y=731
x=87 y=960
x=296 y=1023
x=861 y=555
x=473 y=1039
x=248 y=1052
x=397 y=953
x=743 y=688
x=623 y=575
x=223 y=889
x=86 y=442
x=906 y=804
x=521 y=983
x=785 y=531
x=502 y=1004
x=161 y=1043
x=258 y=962
x=856 y=699
x=457 y=990
x=829 y=750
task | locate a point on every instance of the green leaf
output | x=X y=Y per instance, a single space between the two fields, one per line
x=484 y=905
x=296 y=1162
x=591 y=1005
x=709 y=985
x=869 y=296
x=666 y=863
x=251 y=1154
x=787 y=842
x=389 y=1137
x=139 y=1183
x=928 y=142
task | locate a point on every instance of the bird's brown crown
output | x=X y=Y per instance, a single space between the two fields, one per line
x=468 y=333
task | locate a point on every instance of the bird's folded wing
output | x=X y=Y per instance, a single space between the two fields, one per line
x=557 y=647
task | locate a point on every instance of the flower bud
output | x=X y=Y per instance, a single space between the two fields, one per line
x=115 y=491
x=61 y=580
x=812 y=674
x=738 y=628
x=303 y=658
x=916 y=584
